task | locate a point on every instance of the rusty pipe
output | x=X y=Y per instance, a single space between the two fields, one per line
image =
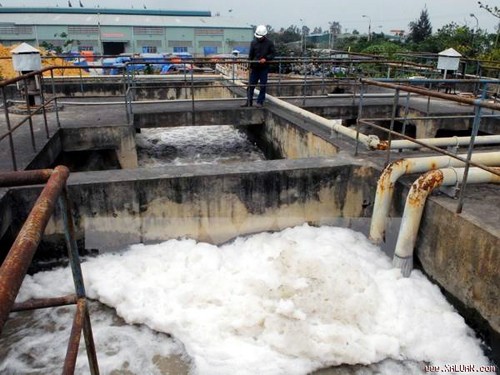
x=21 y=253
x=19 y=178
x=74 y=338
x=42 y=303
x=434 y=94
x=414 y=207
x=398 y=168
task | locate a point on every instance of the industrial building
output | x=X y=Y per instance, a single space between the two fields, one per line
x=116 y=31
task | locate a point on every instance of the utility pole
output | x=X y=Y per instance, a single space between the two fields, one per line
x=369 y=27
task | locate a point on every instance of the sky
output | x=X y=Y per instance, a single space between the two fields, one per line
x=383 y=15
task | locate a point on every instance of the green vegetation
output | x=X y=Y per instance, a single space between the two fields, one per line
x=59 y=49
x=472 y=43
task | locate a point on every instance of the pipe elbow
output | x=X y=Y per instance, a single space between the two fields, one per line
x=374 y=143
x=423 y=186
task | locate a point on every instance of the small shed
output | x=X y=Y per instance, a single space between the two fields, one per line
x=448 y=60
x=26 y=58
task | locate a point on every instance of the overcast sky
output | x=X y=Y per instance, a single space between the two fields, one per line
x=385 y=15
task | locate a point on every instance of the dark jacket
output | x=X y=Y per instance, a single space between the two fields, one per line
x=261 y=48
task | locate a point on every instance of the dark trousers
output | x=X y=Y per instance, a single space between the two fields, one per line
x=257 y=75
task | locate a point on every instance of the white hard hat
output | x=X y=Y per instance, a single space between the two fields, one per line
x=260 y=31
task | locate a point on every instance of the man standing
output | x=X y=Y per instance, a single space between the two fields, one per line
x=261 y=52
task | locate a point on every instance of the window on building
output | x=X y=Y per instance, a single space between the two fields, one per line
x=149 y=49
x=83 y=30
x=212 y=43
x=209 y=31
x=146 y=30
x=180 y=49
x=16 y=30
x=180 y=43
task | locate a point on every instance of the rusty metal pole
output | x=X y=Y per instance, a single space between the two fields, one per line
x=193 y=113
x=304 y=86
x=55 y=98
x=7 y=120
x=475 y=130
x=69 y=235
x=125 y=90
x=434 y=94
x=44 y=110
x=89 y=343
x=74 y=339
x=21 y=253
x=82 y=86
x=407 y=110
x=321 y=64
x=395 y=104
x=38 y=176
x=28 y=108
x=360 y=115
x=42 y=303
x=279 y=78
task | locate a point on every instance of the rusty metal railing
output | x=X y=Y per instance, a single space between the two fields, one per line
x=478 y=104
x=20 y=255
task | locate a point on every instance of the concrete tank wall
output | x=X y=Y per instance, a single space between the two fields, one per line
x=118 y=138
x=160 y=89
x=462 y=256
x=209 y=203
x=287 y=139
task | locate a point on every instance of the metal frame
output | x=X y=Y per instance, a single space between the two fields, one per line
x=130 y=86
x=477 y=103
x=20 y=255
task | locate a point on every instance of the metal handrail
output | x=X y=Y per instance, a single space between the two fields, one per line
x=478 y=105
x=20 y=256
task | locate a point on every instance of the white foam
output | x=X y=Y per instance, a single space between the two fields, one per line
x=283 y=303
x=198 y=145
x=37 y=343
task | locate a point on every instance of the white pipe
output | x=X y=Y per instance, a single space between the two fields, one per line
x=396 y=169
x=373 y=142
x=370 y=141
x=447 y=141
x=414 y=207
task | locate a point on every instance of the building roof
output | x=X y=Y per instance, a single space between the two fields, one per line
x=150 y=12
x=450 y=52
x=24 y=48
x=114 y=17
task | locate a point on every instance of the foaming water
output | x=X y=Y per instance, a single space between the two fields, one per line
x=290 y=302
x=194 y=145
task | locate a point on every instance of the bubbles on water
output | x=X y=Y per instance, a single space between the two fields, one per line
x=195 y=145
x=289 y=302
x=35 y=342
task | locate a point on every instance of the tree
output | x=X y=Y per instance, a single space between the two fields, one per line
x=335 y=28
x=58 y=49
x=420 y=29
x=465 y=40
x=495 y=11
x=284 y=37
x=383 y=47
